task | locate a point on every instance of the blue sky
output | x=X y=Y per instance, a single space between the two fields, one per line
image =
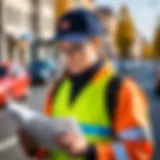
x=144 y=12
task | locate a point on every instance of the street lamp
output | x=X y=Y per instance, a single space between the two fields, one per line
x=35 y=28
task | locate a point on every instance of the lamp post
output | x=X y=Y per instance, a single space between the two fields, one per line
x=1 y=30
x=35 y=29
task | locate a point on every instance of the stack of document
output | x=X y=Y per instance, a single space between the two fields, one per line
x=43 y=129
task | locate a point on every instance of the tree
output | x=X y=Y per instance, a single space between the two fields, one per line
x=147 y=50
x=156 y=42
x=126 y=33
x=61 y=6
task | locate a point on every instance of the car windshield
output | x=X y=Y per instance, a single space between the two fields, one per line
x=3 y=71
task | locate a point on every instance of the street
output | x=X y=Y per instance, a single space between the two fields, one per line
x=81 y=40
x=9 y=148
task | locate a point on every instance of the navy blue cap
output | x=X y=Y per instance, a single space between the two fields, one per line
x=78 y=26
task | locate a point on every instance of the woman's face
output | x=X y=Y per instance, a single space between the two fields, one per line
x=77 y=57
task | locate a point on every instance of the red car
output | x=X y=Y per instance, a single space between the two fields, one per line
x=14 y=82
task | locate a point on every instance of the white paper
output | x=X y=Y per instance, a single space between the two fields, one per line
x=43 y=129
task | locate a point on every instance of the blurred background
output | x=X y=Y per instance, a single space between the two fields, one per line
x=131 y=39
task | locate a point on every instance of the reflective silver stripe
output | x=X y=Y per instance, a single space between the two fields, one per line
x=132 y=134
x=120 y=151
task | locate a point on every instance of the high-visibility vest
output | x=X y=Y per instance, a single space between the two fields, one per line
x=88 y=109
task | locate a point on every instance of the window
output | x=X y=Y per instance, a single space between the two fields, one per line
x=13 y=16
x=17 y=17
x=9 y=15
x=48 y=25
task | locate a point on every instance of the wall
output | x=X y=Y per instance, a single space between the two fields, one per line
x=46 y=19
x=15 y=23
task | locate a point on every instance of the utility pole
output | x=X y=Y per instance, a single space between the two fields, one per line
x=1 y=29
x=35 y=29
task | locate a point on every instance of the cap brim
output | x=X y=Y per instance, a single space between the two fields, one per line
x=73 y=38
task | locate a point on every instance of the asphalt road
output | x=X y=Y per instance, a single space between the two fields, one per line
x=9 y=147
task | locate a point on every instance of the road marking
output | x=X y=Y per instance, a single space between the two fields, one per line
x=10 y=142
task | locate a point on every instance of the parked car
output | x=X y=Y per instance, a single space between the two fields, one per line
x=14 y=82
x=141 y=71
x=42 y=70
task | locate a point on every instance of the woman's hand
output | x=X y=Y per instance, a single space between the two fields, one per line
x=75 y=145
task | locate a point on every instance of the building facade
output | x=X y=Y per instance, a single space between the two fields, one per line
x=24 y=21
x=17 y=27
x=46 y=26
x=15 y=22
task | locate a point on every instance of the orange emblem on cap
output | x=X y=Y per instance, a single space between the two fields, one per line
x=65 y=25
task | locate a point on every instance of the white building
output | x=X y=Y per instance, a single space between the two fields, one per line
x=46 y=19
x=17 y=21
x=46 y=25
